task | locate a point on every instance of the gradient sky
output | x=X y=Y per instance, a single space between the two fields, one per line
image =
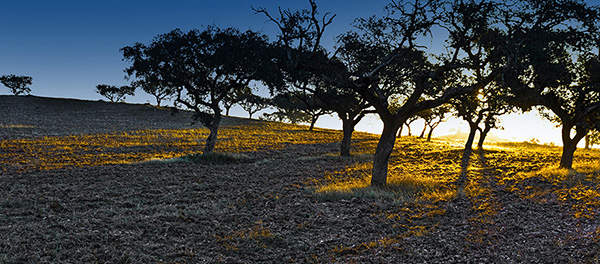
x=69 y=47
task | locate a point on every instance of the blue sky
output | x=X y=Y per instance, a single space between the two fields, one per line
x=68 y=47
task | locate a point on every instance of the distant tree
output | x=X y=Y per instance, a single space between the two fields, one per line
x=295 y=109
x=494 y=98
x=407 y=124
x=17 y=84
x=314 y=75
x=290 y=115
x=228 y=103
x=252 y=103
x=592 y=138
x=205 y=67
x=233 y=98
x=481 y=111
x=159 y=92
x=312 y=106
x=434 y=117
x=114 y=93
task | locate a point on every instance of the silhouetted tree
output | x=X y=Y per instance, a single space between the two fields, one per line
x=285 y=113
x=228 y=102
x=115 y=93
x=159 y=92
x=313 y=73
x=17 y=84
x=434 y=117
x=297 y=110
x=351 y=109
x=481 y=112
x=497 y=105
x=252 y=103
x=303 y=57
x=407 y=123
x=556 y=65
x=205 y=66
x=394 y=65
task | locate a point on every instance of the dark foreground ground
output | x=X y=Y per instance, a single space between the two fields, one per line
x=265 y=205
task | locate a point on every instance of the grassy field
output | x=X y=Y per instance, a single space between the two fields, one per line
x=135 y=192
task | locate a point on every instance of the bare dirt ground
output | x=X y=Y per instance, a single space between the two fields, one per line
x=267 y=208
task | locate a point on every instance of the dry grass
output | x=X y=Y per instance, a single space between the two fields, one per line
x=418 y=171
x=276 y=193
x=20 y=155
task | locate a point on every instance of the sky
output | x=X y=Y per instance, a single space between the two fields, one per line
x=69 y=47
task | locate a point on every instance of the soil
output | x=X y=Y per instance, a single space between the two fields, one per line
x=265 y=210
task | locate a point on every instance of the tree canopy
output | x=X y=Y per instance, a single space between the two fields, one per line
x=554 y=65
x=204 y=67
x=115 y=93
x=18 y=85
x=497 y=55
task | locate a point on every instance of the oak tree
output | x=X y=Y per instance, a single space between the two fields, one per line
x=204 y=66
x=18 y=85
x=555 y=65
x=115 y=93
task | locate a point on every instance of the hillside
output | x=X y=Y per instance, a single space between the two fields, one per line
x=27 y=116
x=97 y=182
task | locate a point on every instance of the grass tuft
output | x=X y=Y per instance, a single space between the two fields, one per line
x=217 y=158
x=403 y=190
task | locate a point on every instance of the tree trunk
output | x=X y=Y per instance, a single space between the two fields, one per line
x=312 y=122
x=466 y=158
x=587 y=142
x=569 y=146
x=471 y=138
x=348 y=129
x=409 y=132
x=382 y=154
x=566 y=160
x=211 y=141
x=227 y=111
x=423 y=131
x=158 y=101
x=482 y=137
x=429 y=134
x=400 y=131
x=469 y=146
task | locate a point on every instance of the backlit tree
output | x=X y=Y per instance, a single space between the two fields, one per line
x=205 y=67
x=555 y=62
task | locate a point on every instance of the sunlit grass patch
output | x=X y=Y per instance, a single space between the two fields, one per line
x=589 y=167
x=418 y=171
x=20 y=155
x=579 y=188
